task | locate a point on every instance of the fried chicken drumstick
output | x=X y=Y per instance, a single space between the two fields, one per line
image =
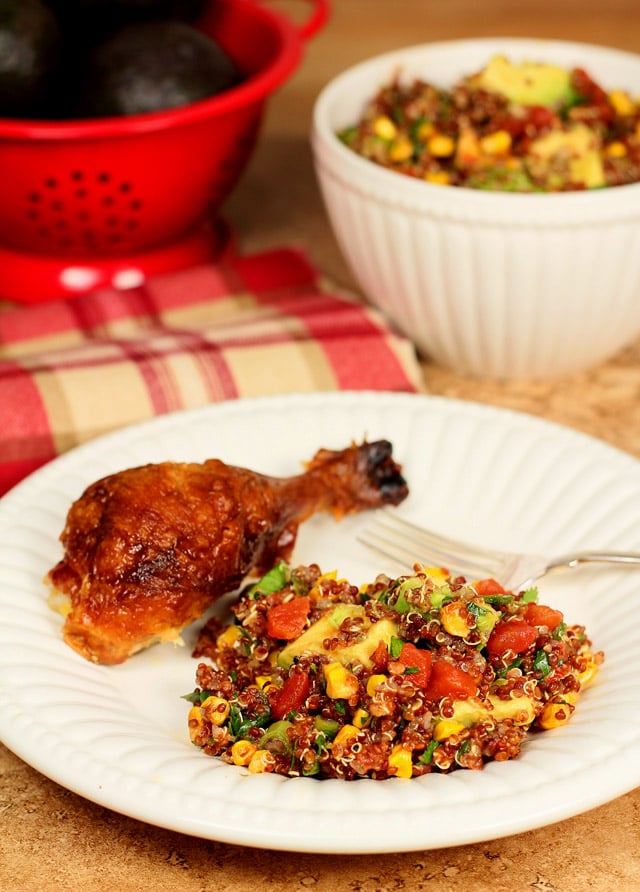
x=149 y=549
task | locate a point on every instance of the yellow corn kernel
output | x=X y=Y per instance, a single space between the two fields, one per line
x=345 y=734
x=385 y=128
x=555 y=714
x=425 y=131
x=621 y=102
x=497 y=143
x=446 y=728
x=261 y=761
x=373 y=682
x=589 y=673
x=242 y=752
x=195 y=721
x=615 y=149
x=316 y=591
x=441 y=146
x=468 y=148
x=401 y=149
x=400 y=759
x=361 y=718
x=439 y=177
x=341 y=684
x=229 y=636
x=437 y=573
x=215 y=710
x=453 y=619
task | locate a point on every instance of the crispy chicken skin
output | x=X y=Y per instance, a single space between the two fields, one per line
x=148 y=550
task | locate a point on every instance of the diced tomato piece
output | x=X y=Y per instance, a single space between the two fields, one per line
x=541 y=118
x=514 y=635
x=541 y=615
x=489 y=587
x=448 y=680
x=291 y=695
x=287 y=620
x=584 y=84
x=415 y=659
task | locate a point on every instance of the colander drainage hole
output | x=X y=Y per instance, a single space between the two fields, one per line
x=83 y=209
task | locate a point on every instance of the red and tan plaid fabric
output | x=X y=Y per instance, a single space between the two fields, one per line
x=71 y=370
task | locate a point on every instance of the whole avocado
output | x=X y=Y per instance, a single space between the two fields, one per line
x=133 y=8
x=113 y=13
x=30 y=46
x=153 y=66
x=86 y=23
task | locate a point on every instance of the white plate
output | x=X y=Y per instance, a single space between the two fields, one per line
x=118 y=735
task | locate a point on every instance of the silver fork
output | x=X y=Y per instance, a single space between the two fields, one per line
x=407 y=543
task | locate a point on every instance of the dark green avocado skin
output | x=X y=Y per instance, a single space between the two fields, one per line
x=101 y=17
x=152 y=66
x=30 y=46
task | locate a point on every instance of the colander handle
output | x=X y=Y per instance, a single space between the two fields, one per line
x=320 y=14
x=317 y=18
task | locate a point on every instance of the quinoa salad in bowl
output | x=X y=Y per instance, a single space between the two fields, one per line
x=512 y=127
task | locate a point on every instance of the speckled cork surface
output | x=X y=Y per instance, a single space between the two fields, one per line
x=51 y=839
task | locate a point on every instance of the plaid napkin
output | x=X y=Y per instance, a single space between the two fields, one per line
x=73 y=369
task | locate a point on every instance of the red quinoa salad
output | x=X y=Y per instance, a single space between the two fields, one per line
x=401 y=677
x=527 y=127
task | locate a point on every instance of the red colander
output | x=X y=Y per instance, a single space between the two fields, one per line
x=111 y=201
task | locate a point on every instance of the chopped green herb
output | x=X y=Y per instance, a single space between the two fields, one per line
x=427 y=756
x=441 y=596
x=273 y=581
x=196 y=697
x=530 y=596
x=560 y=631
x=541 y=663
x=395 y=647
x=497 y=600
x=402 y=603
x=502 y=673
x=239 y=726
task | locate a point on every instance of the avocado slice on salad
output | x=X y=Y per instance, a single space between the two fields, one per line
x=312 y=640
x=527 y=83
x=471 y=712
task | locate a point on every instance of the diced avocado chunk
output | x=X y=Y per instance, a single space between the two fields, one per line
x=576 y=149
x=528 y=83
x=472 y=712
x=328 y=727
x=342 y=611
x=312 y=640
x=362 y=651
x=486 y=617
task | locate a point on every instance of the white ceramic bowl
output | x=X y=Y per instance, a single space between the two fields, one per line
x=498 y=285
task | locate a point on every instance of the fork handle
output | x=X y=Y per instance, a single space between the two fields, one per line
x=569 y=561
x=595 y=557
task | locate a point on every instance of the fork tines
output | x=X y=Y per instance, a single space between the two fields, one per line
x=406 y=543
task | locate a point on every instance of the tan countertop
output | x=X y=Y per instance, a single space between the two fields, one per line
x=51 y=838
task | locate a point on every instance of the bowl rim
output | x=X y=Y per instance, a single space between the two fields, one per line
x=251 y=90
x=393 y=189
